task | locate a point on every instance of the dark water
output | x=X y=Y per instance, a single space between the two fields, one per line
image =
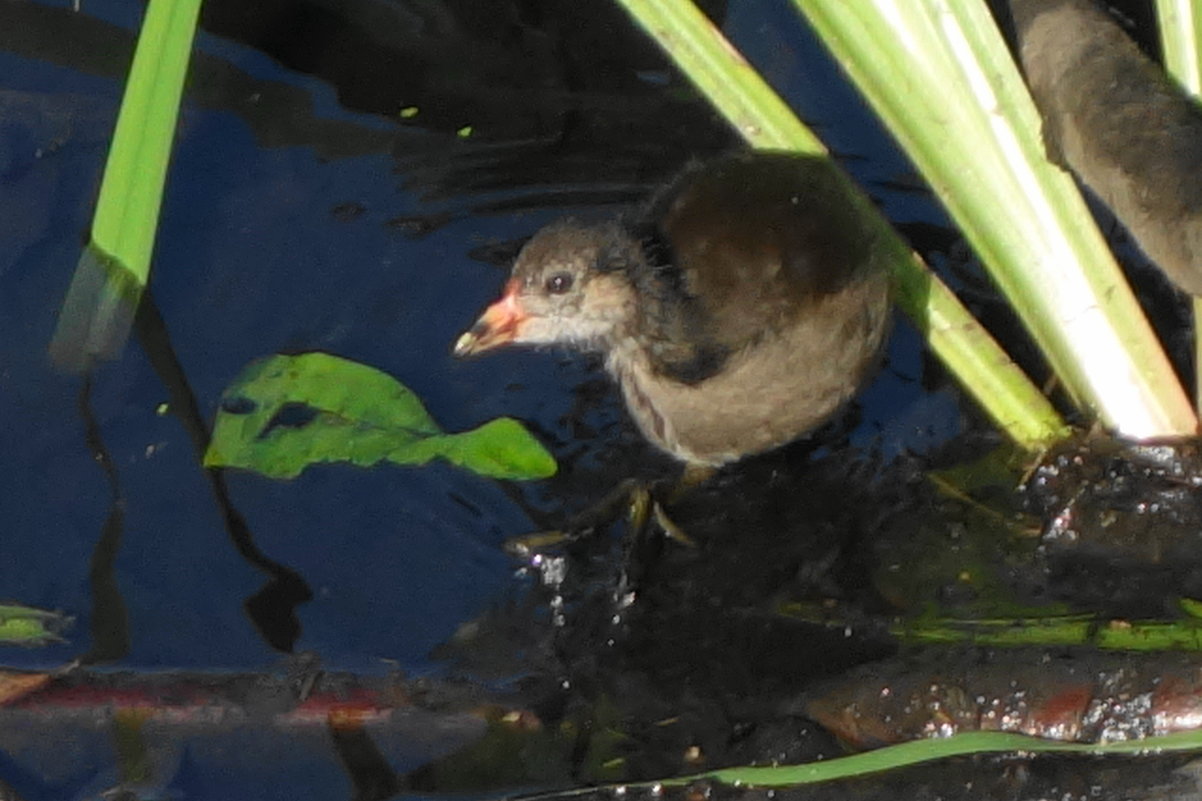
x=254 y=257
x=280 y=233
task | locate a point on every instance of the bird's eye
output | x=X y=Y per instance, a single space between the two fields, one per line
x=559 y=283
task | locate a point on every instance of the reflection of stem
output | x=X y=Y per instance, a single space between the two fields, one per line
x=272 y=609
x=110 y=622
x=133 y=758
x=371 y=773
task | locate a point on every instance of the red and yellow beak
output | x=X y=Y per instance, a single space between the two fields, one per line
x=497 y=326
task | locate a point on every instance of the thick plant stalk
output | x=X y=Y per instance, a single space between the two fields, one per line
x=940 y=76
x=1113 y=117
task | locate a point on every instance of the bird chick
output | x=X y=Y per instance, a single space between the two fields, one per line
x=737 y=311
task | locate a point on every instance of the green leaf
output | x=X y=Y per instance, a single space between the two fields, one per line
x=1191 y=607
x=284 y=413
x=25 y=625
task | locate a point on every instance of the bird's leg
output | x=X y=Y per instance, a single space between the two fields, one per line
x=694 y=475
x=584 y=524
x=639 y=546
x=639 y=500
x=645 y=509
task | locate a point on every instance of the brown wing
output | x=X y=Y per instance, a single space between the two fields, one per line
x=759 y=238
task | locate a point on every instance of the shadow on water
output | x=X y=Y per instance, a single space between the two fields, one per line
x=273 y=608
x=110 y=624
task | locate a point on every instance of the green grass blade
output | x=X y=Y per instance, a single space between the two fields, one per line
x=911 y=753
x=758 y=113
x=976 y=139
x=113 y=270
x=904 y=755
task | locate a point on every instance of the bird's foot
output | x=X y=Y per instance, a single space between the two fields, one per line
x=638 y=501
x=582 y=526
x=645 y=509
x=694 y=476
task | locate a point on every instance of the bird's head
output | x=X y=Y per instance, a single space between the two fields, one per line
x=570 y=286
